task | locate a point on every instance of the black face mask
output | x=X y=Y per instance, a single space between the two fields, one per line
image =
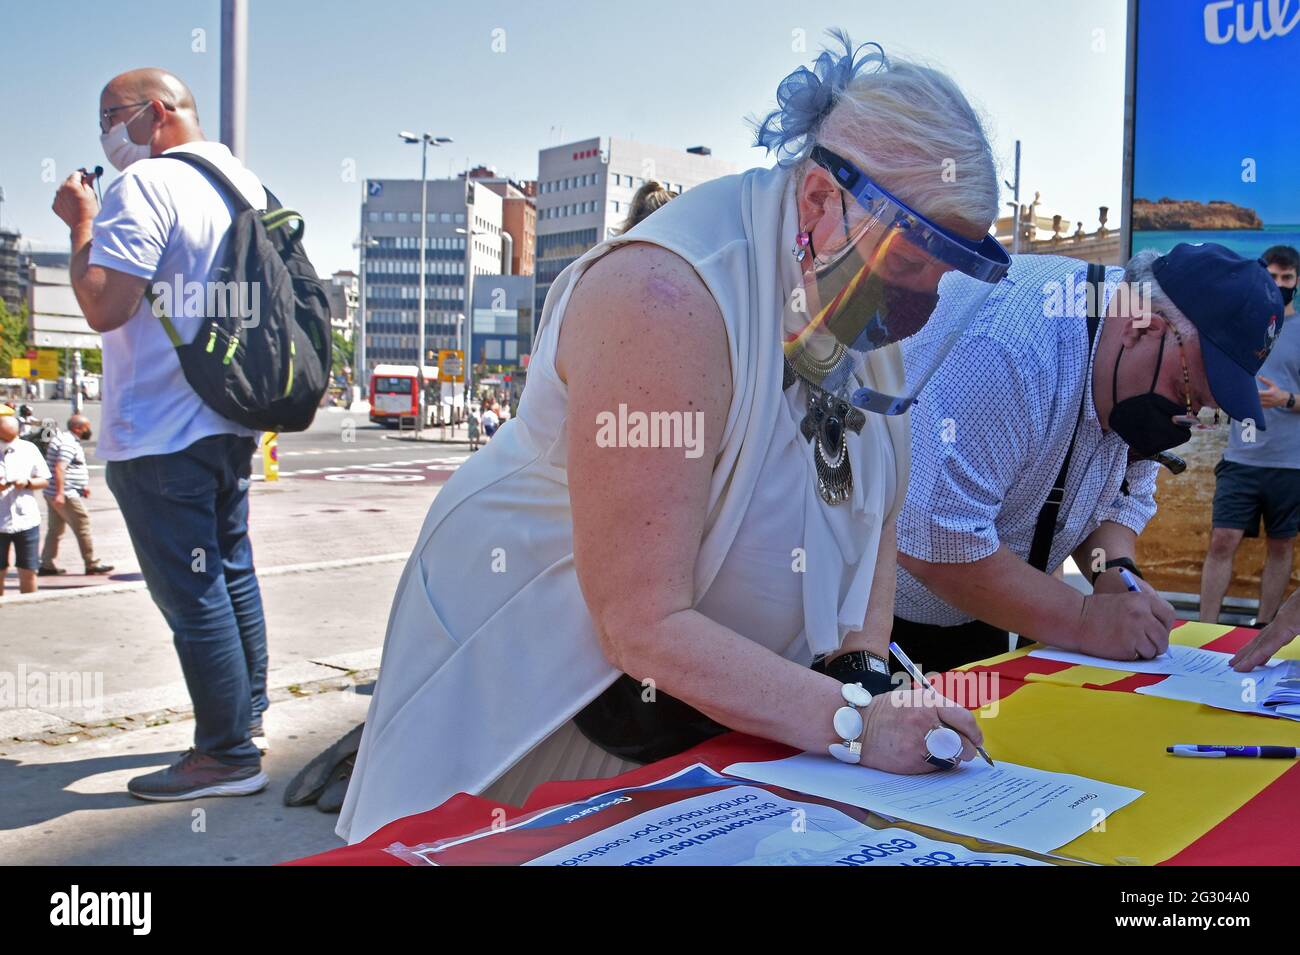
x=1287 y=294
x=1143 y=421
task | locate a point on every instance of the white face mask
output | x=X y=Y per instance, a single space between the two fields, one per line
x=118 y=147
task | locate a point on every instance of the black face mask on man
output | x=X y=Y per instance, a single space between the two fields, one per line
x=1144 y=421
x=1287 y=294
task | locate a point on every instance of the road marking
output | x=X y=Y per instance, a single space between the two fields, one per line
x=446 y=462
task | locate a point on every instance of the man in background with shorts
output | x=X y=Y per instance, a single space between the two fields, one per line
x=22 y=473
x=1259 y=475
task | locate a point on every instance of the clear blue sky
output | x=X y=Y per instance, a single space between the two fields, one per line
x=331 y=82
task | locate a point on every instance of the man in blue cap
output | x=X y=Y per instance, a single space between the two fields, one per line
x=1035 y=441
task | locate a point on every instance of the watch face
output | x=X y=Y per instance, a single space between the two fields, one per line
x=877 y=665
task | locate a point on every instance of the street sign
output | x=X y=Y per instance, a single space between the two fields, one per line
x=47 y=364
x=20 y=367
x=451 y=365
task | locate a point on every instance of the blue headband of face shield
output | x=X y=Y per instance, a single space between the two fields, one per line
x=895 y=273
x=984 y=259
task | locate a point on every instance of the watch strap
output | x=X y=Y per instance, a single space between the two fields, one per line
x=858 y=666
x=1125 y=562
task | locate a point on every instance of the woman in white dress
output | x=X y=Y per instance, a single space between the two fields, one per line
x=688 y=510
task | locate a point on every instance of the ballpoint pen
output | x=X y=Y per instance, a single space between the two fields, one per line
x=916 y=675
x=1219 y=752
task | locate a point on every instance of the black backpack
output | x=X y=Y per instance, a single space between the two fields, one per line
x=268 y=374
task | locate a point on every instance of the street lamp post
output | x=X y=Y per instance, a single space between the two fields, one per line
x=469 y=232
x=425 y=140
x=364 y=243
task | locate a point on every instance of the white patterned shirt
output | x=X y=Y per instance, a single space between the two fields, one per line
x=65 y=448
x=991 y=428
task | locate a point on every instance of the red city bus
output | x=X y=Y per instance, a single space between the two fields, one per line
x=393 y=397
x=393 y=394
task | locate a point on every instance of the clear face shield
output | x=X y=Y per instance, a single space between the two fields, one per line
x=888 y=273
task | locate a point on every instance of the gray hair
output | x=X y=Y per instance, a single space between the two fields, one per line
x=1143 y=287
x=907 y=125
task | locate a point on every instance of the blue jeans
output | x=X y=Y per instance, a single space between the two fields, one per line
x=187 y=514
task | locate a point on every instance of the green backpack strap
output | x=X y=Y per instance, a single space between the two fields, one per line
x=161 y=315
x=278 y=218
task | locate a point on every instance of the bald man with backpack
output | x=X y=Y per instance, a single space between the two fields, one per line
x=188 y=385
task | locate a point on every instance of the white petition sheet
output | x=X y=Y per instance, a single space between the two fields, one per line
x=1242 y=696
x=1177 y=661
x=1014 y=805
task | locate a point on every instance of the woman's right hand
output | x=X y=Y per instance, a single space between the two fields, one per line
x=896 y=724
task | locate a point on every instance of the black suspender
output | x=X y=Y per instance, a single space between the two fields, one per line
x=1045 y=530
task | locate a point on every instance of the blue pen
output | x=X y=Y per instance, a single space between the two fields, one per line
x=919 y=677
x=1133 y=587
x=1129 y=582
x=1219 y=752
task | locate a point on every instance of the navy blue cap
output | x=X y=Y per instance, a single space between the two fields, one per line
x=1237 y=310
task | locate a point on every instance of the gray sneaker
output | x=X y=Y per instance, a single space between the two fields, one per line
x=196 y=775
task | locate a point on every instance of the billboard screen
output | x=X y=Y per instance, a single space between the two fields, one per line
x=1215 y=142
x=1216 y=135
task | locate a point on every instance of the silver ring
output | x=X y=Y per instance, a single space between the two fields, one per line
x=943 y=747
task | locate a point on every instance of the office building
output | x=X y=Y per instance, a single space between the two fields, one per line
x=518 y=217
x=503 y=320
x=585 y=189
x=13 y=271
x=463 y=227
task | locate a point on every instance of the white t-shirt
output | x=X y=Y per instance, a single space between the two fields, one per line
x=164 y=221
x=20 y=461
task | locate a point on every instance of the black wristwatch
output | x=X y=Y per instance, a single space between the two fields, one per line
x=1290 y=399
x=1125 y=562
x=858 y=666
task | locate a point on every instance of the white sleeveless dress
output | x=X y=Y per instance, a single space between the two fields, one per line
x=491 y=650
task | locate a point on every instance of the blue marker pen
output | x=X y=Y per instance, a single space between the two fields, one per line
x=1219 y=752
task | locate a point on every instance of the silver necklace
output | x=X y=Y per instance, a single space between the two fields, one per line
x=824 y=425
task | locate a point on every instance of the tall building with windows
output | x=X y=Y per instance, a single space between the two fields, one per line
x=585 y=189
x=13 y=272
x=503 y=320
x=342 y=294
x=518 y=217
x=463 y=229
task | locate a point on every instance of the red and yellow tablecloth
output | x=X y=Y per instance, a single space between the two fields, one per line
x=1053 y=716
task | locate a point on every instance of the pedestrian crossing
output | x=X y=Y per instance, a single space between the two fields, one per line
x=449 y=461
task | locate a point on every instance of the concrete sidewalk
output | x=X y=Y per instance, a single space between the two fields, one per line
x=111 y=704
x=291 y=521
x=86 y=662
x=68 y=805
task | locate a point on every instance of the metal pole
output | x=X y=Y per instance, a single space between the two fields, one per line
x=424 y=230
x=76 y=381
x=365 y=371
x=1015 y=194
x=469 y=299
x=234 y=74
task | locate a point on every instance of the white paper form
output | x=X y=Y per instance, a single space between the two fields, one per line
x=1176 y=661
x=1244 y=693
x=1205 y=676
x=1014 y=805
